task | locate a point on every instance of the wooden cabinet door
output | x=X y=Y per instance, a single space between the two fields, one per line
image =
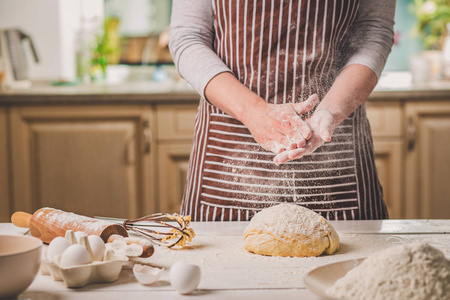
x=174 y=137
x=88 y=160
x=5 y=210
x=173 y=164
x=428 y=160
x=389 y=164
x=385 y=119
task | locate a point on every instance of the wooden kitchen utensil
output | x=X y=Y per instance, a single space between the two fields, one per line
x=48 y=223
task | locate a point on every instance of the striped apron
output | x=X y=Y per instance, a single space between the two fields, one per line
x=284 y=51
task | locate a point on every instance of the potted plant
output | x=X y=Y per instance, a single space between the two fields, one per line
x=432 y=18
x=107 y=49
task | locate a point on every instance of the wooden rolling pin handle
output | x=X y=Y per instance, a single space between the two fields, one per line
x=21 y=219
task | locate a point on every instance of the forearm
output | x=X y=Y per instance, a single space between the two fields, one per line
x=227 y=93
x=370 y=41
x=350 y=89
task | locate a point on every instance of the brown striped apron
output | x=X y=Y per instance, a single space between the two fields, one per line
x=284 y=51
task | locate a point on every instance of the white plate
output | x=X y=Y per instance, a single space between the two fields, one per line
x=320 y=279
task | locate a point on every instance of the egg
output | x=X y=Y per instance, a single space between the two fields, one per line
x=74 y=255
x=184 y=277
x=97 y=246
x=56 y=247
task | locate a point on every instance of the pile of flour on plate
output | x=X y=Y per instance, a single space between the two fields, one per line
x=412 y=271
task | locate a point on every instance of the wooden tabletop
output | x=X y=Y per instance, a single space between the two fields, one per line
x=230 y=272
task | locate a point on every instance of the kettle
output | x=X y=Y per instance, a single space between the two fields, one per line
x=13 y=62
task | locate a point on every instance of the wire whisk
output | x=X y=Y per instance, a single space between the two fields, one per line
x=179 y=234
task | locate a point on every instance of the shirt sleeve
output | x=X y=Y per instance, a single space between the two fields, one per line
x=191 y=43
x=372 y=35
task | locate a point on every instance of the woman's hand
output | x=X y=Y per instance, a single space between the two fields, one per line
x=322 y=125
x=279 y=127
x=352 y=86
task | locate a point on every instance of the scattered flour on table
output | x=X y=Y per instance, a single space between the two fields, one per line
x=226 y=265
x=414 y=271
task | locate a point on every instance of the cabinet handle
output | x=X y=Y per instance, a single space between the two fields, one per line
x=147 y=136
x=131 y=154
x=411 y=133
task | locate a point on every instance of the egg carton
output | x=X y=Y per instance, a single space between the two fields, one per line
x=97 y=271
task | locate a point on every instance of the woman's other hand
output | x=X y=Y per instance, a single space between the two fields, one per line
x=322 y=125
x=279 y=127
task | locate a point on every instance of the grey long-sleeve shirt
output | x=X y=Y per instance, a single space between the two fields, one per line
x=192 y=38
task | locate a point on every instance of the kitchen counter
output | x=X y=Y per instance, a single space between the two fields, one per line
x=133 y=92
x=229 y=272
x=178 y=91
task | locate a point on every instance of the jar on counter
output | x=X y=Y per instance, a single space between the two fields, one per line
x=446 y=54
x=419 y=66
x=84 y=42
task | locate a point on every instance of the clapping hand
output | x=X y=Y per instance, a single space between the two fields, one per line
x=279 y=128
x=322 y=125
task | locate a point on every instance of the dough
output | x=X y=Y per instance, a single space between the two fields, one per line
x=290 y=230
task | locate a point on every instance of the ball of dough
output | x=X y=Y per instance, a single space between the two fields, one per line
x=290 y=230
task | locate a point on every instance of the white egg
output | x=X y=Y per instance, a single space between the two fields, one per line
x=184 y=277
x=75 y=255
x=97 y=246
x=79 y=234
x=56 y=247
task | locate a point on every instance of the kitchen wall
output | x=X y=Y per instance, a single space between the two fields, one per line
x=406 y=43
x=140 y=17
x=53 y=25
x=143 y=25
x=145 y=17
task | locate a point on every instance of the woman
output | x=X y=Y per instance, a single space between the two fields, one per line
x=282 y=116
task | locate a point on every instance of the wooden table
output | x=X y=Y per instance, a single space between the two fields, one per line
x=229 y=272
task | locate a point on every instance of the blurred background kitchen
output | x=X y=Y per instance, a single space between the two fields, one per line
x=94 y=118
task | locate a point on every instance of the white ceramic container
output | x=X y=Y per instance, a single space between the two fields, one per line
x=20 y=258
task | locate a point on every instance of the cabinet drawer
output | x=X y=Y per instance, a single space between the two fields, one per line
x=175 y=122
x=385 y=119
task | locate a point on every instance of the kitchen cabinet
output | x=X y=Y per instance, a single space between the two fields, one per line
x=123 y=151
x=175 y=127
x=387 y=130
x=427 y=162
x=389 y=164
x=173 y=164
x=4 y=168
x=92 y=160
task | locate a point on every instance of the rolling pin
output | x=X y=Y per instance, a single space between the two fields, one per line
x=48 y=223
